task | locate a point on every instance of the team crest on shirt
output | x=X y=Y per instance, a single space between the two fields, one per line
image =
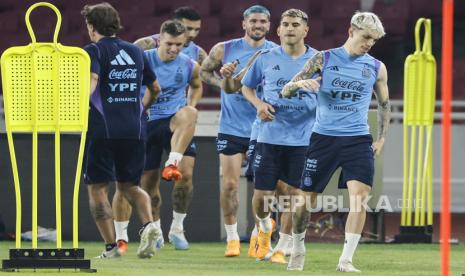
x=178 y=75
x=366 y=71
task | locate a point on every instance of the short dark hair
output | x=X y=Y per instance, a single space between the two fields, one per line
x=172 y=27
x=296 y=13
x=256 y=9
x=186 y=12
x=103 y=17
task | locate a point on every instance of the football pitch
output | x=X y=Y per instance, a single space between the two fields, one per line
x=207 y=259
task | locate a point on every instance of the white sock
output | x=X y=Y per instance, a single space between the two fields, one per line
x=265 y=223
x=157 y=224
x=173 y=159
x=283 y=242
x=254 y=231
x=231 y=232
x=350 y=244
x=121 y=230
x=298 y=242
x=178 y=220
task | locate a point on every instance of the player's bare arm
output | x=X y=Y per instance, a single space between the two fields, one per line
x=303 y=79
x=212 y=63
x=232 y=82
x=146 y=43
x=195 y=91
x=151 y=94
x=264 y=110
x=93 y=82
x=384 y=108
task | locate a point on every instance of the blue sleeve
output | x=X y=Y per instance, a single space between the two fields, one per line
x=253 y=76
x=94 y=53
x=148 y=75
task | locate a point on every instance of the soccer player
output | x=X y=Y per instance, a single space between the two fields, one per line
x=115 y=145
x=284 y=133
x=340 y=135
x=237 y=114
x=171 y=127
x=191 y=19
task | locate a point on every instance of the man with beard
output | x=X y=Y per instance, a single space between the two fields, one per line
x=171 y=126
x=190 y=18
x=237 y=115
x=341 y=136
x=284 y=132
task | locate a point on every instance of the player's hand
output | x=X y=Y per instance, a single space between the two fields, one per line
x=377 y=147
x=265 y=111
x=227 y=70
x=310 y=84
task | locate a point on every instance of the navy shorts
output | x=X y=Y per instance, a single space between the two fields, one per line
x=158 y=139
x=276 y=162
x=107 y=160
x=353 y=154
x=229 y=144
x=250 y=154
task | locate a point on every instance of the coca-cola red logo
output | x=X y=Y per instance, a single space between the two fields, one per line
x=122 y=75
x=352 y=85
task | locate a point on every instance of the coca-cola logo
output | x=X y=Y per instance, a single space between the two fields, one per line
x=281 y=82
x=123 y=75
x=352 y=85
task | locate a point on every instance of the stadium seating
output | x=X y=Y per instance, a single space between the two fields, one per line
x=329 y=21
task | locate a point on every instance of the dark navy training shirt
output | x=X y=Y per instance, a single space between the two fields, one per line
x=116 y=105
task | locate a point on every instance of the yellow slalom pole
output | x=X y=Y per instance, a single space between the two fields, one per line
x=14 y=166
x=424 y=178
x=410 y=176
x=76 y=189
x=419 y=175
x=403 y=220
x=430 y=184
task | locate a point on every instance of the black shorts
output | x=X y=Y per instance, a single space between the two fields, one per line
x=276 y=162
x=107 y=160
x=158 y=139
x=354 y=154
x=250 y=154
x=229 y=144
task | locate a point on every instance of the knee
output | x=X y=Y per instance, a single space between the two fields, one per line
x=360 y=194
x=156 y=200
x=230 y=185
x=190 y=115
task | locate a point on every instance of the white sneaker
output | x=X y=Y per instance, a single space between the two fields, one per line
x=297 y=261
x=150 y=234
x=346 y=266
x=288 y=250
x=113 y=253
x=177 y=238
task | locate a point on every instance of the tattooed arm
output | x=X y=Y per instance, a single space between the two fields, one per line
x=146 y=43
x=202 y=56
x=211 y=64
x=195 y=87
x=384 y=108
x=302 y=79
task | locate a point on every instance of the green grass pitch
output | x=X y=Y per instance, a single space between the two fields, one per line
x=207 y=259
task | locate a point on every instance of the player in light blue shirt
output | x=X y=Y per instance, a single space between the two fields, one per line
x=340 y=135
x=285 y=127
x=170 y=128
x=237 y=114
